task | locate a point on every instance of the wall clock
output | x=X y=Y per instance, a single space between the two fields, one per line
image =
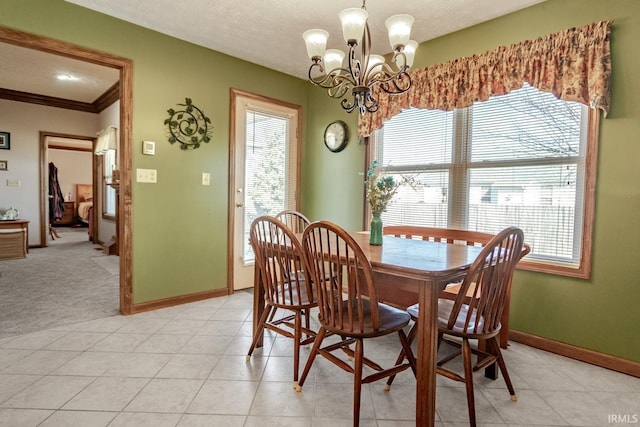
x=336 y=136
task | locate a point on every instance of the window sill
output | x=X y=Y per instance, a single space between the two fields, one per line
x=579 y=272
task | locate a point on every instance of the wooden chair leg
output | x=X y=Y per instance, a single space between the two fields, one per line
x=357 y=382
x=259 y=330
x=410 y=337
x=297 y=337
x=468 y=380
x=405 y=353
x=307 y=317
x=493 y=343
x=314 y=352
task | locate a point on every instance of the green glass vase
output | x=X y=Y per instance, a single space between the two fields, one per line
x=375 y=236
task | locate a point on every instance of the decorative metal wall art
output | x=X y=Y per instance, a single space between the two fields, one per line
x=188 y=126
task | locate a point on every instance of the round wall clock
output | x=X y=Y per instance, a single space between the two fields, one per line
x=336 y=136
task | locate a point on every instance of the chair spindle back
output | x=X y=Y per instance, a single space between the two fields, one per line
x=488 y=282
x=342 y=277
x=278 y=255
x=295 y=220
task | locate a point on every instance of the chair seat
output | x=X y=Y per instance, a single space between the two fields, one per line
x=444 y=311
x=390 y=318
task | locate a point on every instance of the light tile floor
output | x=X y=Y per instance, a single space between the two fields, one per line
x=185 y=366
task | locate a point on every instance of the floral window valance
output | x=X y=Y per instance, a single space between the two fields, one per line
x=574 y=65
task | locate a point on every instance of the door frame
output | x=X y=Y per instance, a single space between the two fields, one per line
x=44 y=173
x=234 y=94
x=125 y=67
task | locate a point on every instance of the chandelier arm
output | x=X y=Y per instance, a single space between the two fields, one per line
x=339 y=91
x=399 y=53
x=399 y=84
x=347 y=106
x=331 y=80
x=386 y=74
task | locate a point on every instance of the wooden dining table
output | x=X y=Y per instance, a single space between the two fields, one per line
x=411 y=267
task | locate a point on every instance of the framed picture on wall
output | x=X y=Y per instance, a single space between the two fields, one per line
x=5 y=140
x=4 y=165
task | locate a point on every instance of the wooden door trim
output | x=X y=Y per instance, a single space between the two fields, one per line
x=125 y=67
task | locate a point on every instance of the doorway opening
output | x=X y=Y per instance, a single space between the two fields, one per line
x=124 y=94
x=75 y=165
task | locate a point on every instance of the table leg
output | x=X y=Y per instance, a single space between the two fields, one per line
x=258 y=302
x=427 y=356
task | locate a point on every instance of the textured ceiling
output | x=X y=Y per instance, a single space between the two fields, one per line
x=264 y=32
x=269 y=32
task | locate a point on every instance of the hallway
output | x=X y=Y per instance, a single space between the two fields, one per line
x=68 y=282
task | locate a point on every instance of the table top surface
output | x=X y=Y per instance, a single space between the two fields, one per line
x=417 y=257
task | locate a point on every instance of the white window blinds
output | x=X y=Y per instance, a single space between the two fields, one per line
x=517 y=159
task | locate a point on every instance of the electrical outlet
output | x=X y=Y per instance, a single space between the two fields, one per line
x=13 y=183
x=206 y=178
x=147 y=175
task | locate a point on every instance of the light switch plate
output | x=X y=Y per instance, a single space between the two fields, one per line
x=13 y=183
x=146 y=175
x=206 y=178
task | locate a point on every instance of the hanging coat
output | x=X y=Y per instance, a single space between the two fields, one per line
x=56 y=198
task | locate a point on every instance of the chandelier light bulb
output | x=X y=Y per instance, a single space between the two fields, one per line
x=316 y=41
x=353 y=21
x=333 y=59
x=410 y=52
x=399 y=29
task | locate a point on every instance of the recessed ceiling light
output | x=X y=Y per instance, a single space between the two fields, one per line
x=68 y=77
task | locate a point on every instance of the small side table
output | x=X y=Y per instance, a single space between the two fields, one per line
x=14 y=239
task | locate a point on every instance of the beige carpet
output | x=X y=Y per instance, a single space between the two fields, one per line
x=68 y=282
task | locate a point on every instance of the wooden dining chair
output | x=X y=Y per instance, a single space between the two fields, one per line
x=280 y=263
x=297 y=222
x=348 y=307
x=293 y=219
x=478 y=316
x=462 y=237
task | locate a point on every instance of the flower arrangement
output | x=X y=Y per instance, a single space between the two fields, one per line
x=380 y=189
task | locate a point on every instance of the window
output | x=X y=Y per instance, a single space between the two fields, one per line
x=521 y=159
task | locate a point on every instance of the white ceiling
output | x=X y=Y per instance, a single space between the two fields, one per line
x=34 y=71
x=264 y=32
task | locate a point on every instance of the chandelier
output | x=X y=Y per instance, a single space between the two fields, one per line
x=363 y=71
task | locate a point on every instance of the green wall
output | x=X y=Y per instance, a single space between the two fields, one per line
x=602 y=313
x=179 y=227
x=333 y=183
